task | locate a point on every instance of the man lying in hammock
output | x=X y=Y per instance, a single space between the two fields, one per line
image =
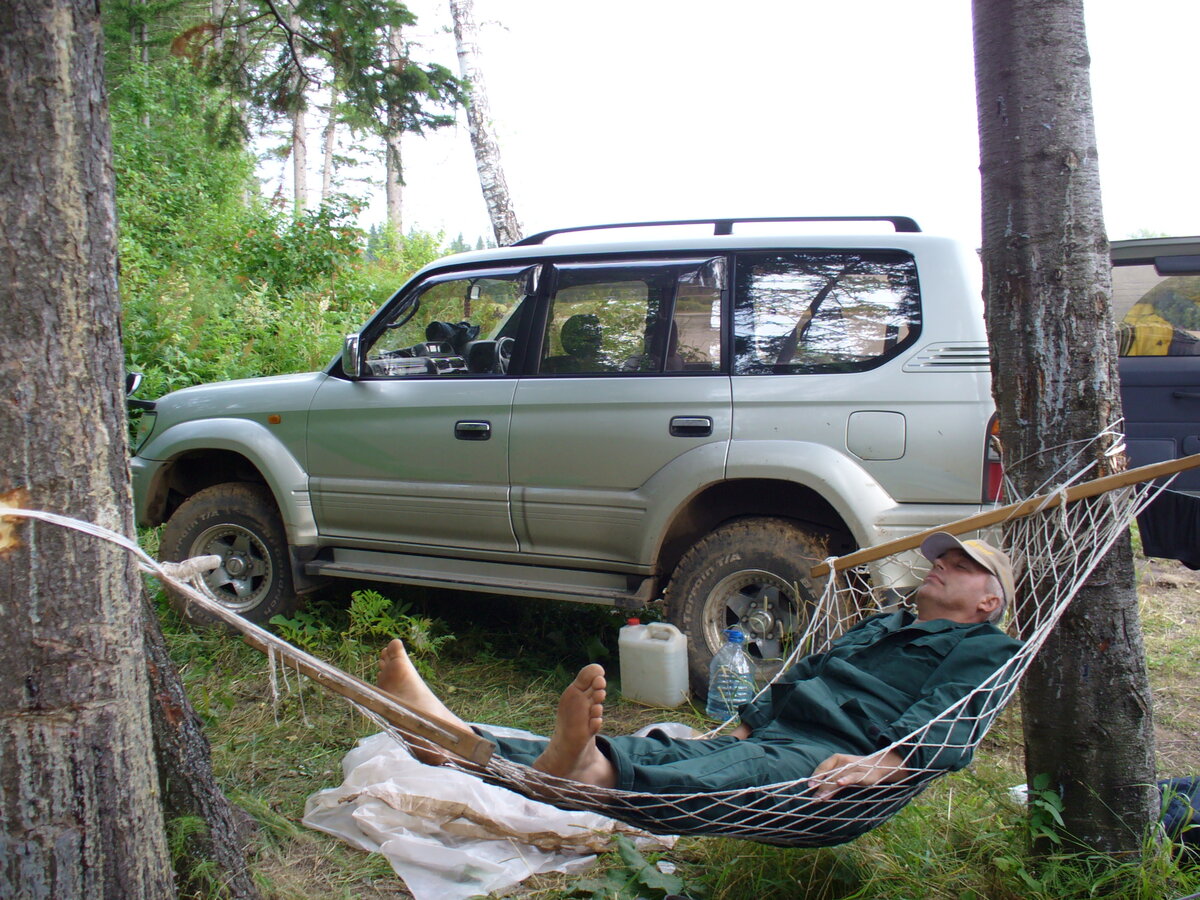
x=830 y=717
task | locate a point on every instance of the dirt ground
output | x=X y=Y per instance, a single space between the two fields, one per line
x=1170 y=603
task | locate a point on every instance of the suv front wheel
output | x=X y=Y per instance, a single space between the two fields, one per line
x=752 y=573
x=239 y=523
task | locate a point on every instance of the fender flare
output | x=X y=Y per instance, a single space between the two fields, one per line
x=854 y=494
x=284 y=475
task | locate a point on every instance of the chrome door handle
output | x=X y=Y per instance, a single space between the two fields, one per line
x=472 y=431
x=691 y=426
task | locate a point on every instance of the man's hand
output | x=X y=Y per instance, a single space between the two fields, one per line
x=878 y=768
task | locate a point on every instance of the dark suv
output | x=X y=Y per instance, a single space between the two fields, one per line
x=1156 y=303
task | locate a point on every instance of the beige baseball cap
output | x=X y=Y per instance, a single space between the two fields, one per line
x=994 y=560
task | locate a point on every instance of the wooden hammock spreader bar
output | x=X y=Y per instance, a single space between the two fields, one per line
x=1080 y=491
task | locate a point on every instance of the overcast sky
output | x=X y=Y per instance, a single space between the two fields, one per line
x=646 y=109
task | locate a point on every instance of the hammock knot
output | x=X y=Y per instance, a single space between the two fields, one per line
x=189 y=568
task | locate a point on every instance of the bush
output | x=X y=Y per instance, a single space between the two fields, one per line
x=215 y=283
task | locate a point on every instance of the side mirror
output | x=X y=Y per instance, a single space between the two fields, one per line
x=351 y=358
x=133 y=381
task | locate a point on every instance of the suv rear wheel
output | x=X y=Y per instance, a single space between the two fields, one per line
x=239 y=523
x=752 y=573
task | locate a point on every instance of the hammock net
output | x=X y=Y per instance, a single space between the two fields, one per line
x=1054 y=545
x=1055 y=540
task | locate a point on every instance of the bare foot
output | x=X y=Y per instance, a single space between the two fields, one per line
x=572 y=751
x=400 y=678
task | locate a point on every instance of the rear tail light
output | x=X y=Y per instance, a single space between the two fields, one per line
x=993 y=469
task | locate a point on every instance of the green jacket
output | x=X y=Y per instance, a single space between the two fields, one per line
x=885 y=678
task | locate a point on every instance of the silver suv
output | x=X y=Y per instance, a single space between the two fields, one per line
x=694 y=420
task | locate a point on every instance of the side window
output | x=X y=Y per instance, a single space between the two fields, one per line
x=826 y=311
x=1156 y=315
x=451 y=325
x=694 y=340
x=631 y=317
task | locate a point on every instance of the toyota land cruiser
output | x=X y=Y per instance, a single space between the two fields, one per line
x=691 y=419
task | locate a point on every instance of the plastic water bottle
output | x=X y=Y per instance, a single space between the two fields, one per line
x=730 y=677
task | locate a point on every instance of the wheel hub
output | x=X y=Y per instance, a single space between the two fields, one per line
x=761 y=604
x=245 y=575
x=760 y=623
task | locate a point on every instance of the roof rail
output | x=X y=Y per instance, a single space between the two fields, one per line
x=723 y=226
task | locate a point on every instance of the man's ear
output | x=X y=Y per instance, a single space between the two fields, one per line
x=989 y=604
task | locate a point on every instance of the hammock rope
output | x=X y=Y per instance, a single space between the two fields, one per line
x=1055 y=540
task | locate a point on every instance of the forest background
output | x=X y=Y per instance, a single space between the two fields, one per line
x=219 y=280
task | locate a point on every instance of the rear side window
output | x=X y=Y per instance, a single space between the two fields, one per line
x=644 y=316
x=801 y=312
x=1157 y=315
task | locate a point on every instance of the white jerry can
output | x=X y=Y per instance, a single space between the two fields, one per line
x=654 y=667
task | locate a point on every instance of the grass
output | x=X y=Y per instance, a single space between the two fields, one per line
x=506 y=663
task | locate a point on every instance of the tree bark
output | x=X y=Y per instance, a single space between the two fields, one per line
x=393 y=161
x=1087 y=705
x=186 y=778
x=505 y=224
x=299 y=142
x=299 y=159
x=329 y=145
x=394 y=185
x=79 y=812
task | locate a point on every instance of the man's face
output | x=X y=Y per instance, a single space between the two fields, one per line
x=956 y=588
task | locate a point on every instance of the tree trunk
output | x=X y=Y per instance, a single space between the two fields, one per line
x=79 y=812
x=299 y=142
x=393 y=161
x=394 y=183
x=487 y=152
x=299 y=159
x=329 y=145
x=186 y=779
x=1087 y=707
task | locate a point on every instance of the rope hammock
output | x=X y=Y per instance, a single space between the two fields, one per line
x=1055 y=540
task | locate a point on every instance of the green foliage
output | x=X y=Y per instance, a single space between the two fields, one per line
x=634 y=879
x=352 y=636
x=215 y=283
x=187 y=839
x=272 y=56
x=215 y=289
x=1045 y=811
x=1177 y=300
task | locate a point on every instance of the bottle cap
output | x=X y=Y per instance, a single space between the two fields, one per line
x=634 y=620
x=735 y=635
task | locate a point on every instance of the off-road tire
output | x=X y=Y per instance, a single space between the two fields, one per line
x=240 y=523
x=752 y=573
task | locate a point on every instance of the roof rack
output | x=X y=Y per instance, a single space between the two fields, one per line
x=723 y=226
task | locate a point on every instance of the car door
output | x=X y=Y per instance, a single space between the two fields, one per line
x=1156 y=304
x=415 y=452
x=627 y=410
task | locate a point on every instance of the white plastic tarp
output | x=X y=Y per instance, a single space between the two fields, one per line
x=449 y=835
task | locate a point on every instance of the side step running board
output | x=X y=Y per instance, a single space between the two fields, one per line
x=490 y=584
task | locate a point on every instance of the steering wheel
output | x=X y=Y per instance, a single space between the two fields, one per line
x=504 y=352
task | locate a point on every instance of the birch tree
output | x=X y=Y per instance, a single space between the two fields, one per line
x=393 y=162
x=329 y=145
x=79 y=812
x=1087 y=706
x=505 y=224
